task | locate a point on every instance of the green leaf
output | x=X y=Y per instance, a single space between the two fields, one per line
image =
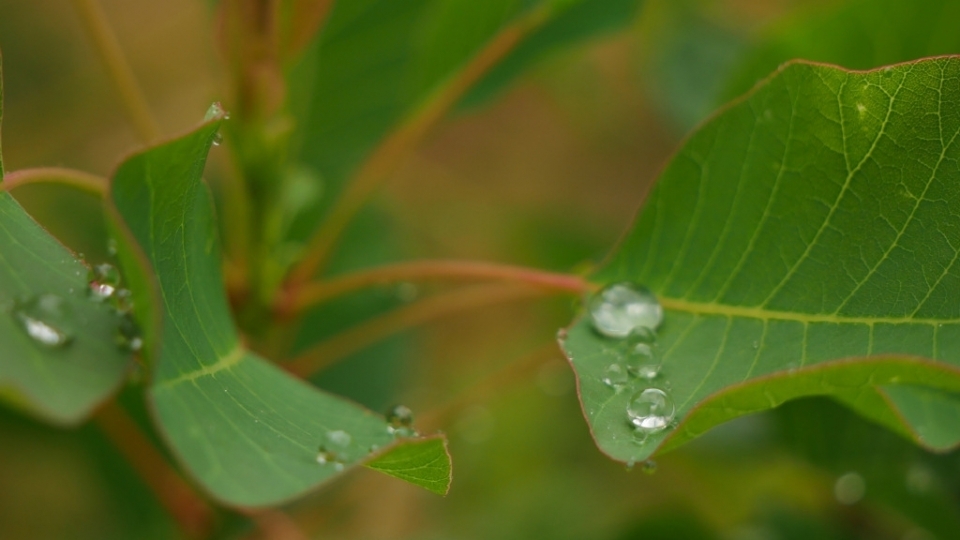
x=425 y=462
x=379 y=64
x=61 y=384
x=857 y=34
x=246 y=430
x=804 y=241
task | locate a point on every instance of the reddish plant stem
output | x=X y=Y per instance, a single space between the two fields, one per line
x=357 y=338
x=191 y=511
x=84 y=181
x=405 y=138
x=299 y=299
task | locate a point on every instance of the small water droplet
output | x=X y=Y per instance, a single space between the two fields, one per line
x=562 y=334
x=217 y=139
x=620 y=308
x=648 y=467
x=46 y=319
x=112 y=247
x=123 y=302
x=849 y=488
x=339 y=440
x=324 y=456
x=650 y=410
x=335 y=448
x=400 y=421
x=104 y=280
x=641 y=357
x=128 y=335
x=615 y=376
x=628 y=466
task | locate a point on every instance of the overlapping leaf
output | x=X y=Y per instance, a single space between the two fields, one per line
x=804 y=241
x=62 y=384
x=249 y=432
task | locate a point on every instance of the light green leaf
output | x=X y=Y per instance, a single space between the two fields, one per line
x=803 y=242
x=246 y=430
x=425 y=462
x=62 y=384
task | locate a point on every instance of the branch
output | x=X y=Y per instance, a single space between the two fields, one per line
x=298 y=300
x=83 y=181
x=107 y=46
x=361 y=336
x=191 y=512
x=405 y=138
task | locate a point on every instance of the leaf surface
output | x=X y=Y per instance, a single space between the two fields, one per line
x=425 y=462
x=247 y=431
x=804 y=241
x=61 y=384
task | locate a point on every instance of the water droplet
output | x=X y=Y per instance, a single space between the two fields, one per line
x=46 y=319
x=650 y=410
x=324 y=456
x=104 y=280
x=123 y=302
x=615 y=376
x=400 y=420
x=641 y=357
x=849 y=488
x=217 y=139
x=215 y=110
x=112 y=247
x=620 y=308
x=648 y=467
x=128 y=335
x=562 y=334
x=628 y=466
x=335 y=448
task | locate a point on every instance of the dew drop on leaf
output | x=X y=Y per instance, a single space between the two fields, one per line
x=400 y=421
x=45 y=319
x=641 y=357
x=650 y=410
x=620 y=308
x=615 y=376
x=104 y=280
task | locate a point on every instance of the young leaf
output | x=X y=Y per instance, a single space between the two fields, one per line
x=424 y=462
x=72 y=362
x=251 y=434
x=804 y=241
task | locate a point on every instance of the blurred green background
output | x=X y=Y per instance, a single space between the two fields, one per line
x=548 y=173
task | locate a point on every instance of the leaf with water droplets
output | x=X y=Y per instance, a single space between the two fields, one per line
x=57 y=356
x=250 y=433
x=804 y=241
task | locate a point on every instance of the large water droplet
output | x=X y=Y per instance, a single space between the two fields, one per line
x=849 y=488
x=650 y=410
x=104 y=280
x=46 y=319
x=620 y=308
x=400 y=420
x=641 y=357
x=615 y=376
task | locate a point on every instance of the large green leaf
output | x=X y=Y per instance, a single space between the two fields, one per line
x=804 y=241
x=246 y=430
x=379 y=63
x=61 y=383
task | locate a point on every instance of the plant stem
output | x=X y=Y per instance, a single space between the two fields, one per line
x=191 y=512
x=298 y=300
x=405 y=138
x=107 y=46
x=442 y=305
x=90 y=183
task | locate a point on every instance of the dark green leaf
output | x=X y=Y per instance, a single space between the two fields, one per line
x=61 y=383
x=803 y=242
x=249 y=432
x=425 y=462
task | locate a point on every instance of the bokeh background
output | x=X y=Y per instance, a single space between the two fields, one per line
x=548 y=174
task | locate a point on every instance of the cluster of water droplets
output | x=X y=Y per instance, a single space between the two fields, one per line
x=337 y=447
x=50 y=322
x=629 y=314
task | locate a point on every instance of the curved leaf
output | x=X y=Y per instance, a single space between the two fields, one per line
x=62 y=384
x=246 y=430
x=804 y=241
